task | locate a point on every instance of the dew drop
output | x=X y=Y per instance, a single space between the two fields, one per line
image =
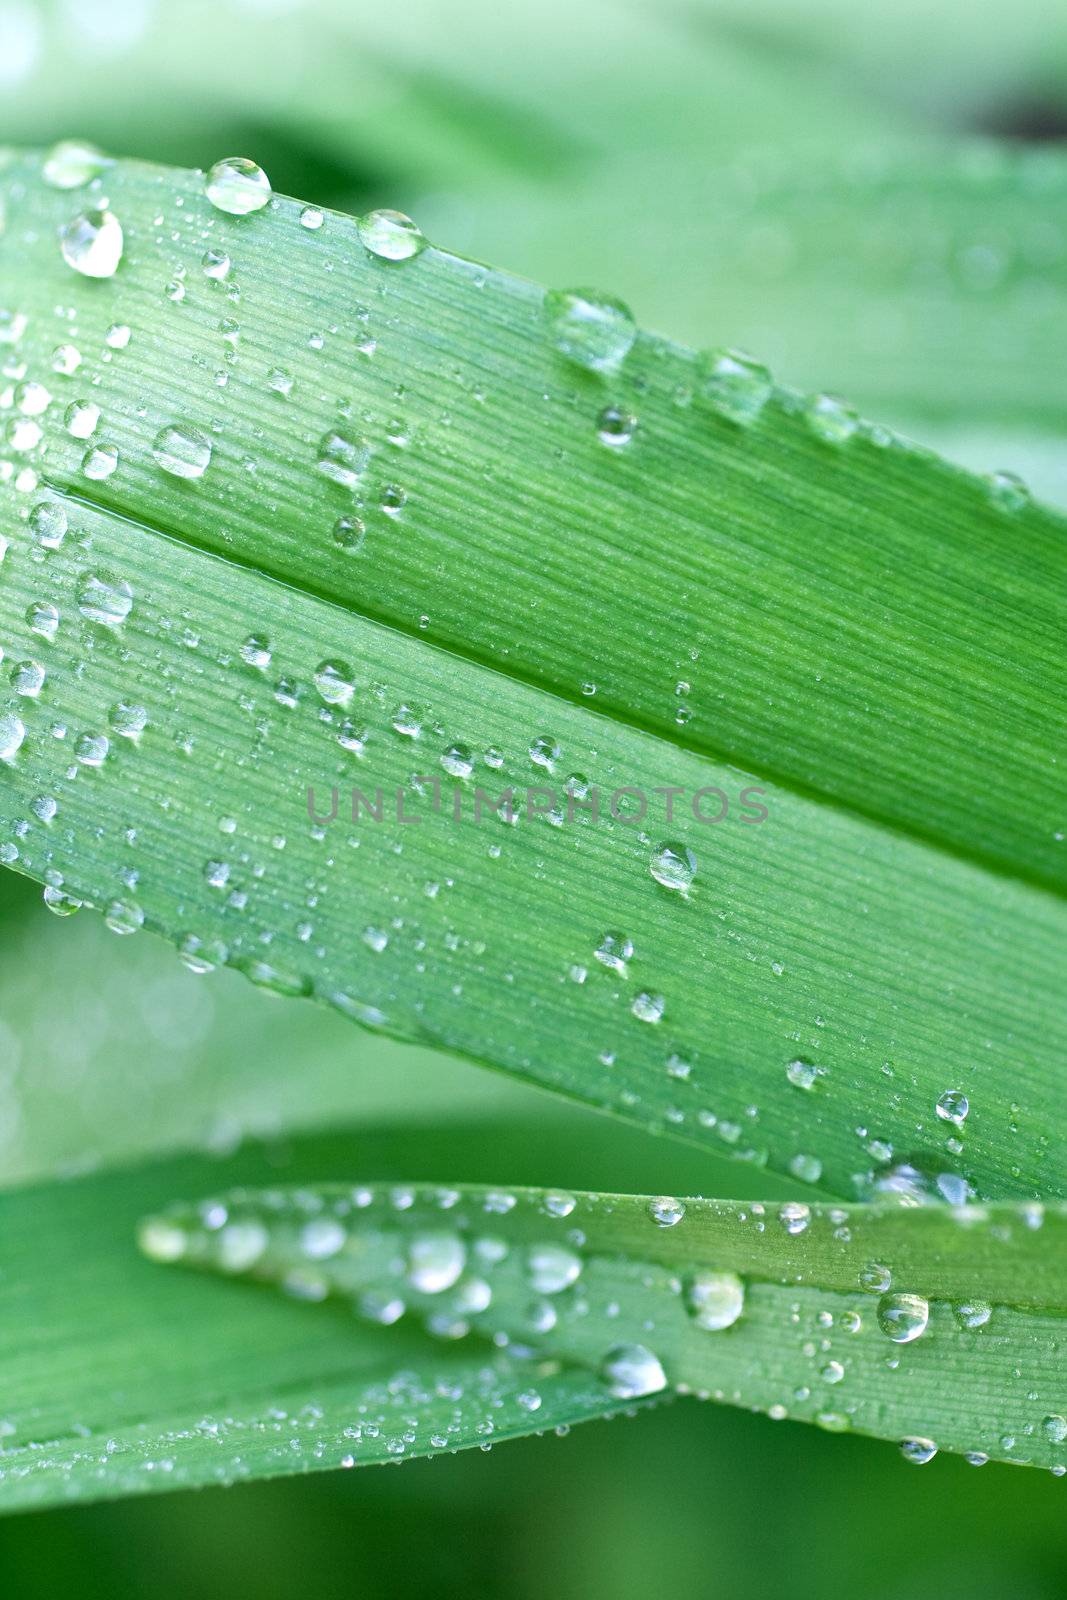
x=124 y=917
x=830 y=419
x=100 y=461
x=1007 y=491
x=552 y=1268
x=92 y=243
x=81 y=418
x=615 y=427
x=615 y=950
x=631 y=1371
x=801 y=1074
x=12 y=733
x=674 y=866
x=715 y=1300
x=737 y=387
x=435 y=1261
x=665 y=1211
x=48 y=524
x=918 y=1451
x=105 y=599
x=648 y=1007
x=593 y=330
x=335 y=682
x=341 y=458
x=953 y=1106
x=390 y=235
x=237 y=186
x=903 y=1317
x=182 y=451
x=72 y=163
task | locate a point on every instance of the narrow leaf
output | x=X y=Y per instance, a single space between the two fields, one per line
x=288 y=516
x=938 y=1326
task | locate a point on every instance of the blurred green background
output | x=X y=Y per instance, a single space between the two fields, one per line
x=854 y=193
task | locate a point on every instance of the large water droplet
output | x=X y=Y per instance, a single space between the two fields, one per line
x=72 y=163
x=92 y=243
x=715 y=1299
x=105 y=599
x=631 y=1370
x=665 y=1211
x=737 y=387
x=552 y=1268
x=435 y=1261
x=237 y=186
x=390 y=235
x=12 y=733
x=903 y=1317
x=953 y=1106
x=342 y=458
x=592 y=329
x=674 y=866
x=183 y=451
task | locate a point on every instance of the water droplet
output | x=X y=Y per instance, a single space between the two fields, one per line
x=105 y=599
x=100 y=461
x=794 y=1216
x=631 y=1371
x=435 y=1261
x=81 y=418
x=973 y=1313
x=342 y=458
x=28 y=678
x=32 y=399
x=648 y=1007
x=903 y=1317
x=312 y=219
x=48 y=524
x=91 y=749
x=256 y=652
x=182 y=451
x=123 y=917
x=715 y=1299
x=807 y=1168
x=348 y=534
x=918 y=1451
x=615 y=950
x=117 y=336
x=237 y=186
x=92 y=243
x=830 y=419
x=874 y=1278
x=736 y=386
x=66 y=359
x=592 y=329
x=552 y=1268
x=1055 y=1428
x=335 y=682
x=1007 y=491
x=72 y=163
x=665 y=1211
x=953 y=1106
x=12 y=733
x=674 y=866
x=458 y=761
x=615 y=427
x=59 y=903
x=801 y=1074
x=129 y=721
x=390 y=235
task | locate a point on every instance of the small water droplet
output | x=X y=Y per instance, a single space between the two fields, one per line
x=237 y=186
x=100 y=461
x=124 y=917
x=918 y=1451
x=1007 y=491
x=648 y=1007
x=342 y=458
x=615 y=427
x=802 y=1074
x=335 y=682
x=715 y=1300
x=435 y=1261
